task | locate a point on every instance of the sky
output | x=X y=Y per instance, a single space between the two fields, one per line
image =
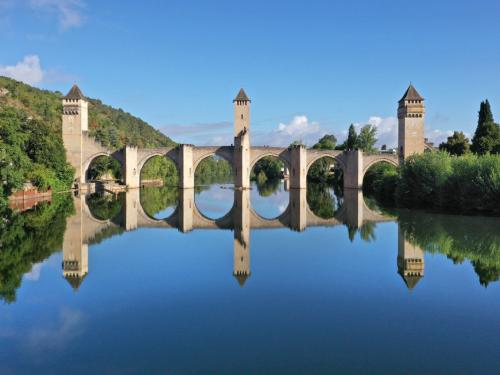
x=310 y=67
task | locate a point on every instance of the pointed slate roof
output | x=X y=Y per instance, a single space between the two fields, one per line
x=411 y=94
x=75 y=281
x=242 y=278
x=74 y=94
x=241 y=97
x=411 y=280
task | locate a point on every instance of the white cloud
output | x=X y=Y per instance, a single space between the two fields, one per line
x=35 y=272
x=387 y=130
x=69 y=12
x=53 y=336
x=28 y=70
x=299 y=128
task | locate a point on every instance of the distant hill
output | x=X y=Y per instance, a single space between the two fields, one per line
x=112 y=127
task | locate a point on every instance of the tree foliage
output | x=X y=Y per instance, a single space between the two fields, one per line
x=211 y=170
x=159 y=167
x=327 y=142
x=487 y=136
x=457 y=144
x=270 y=166
x=28 y=239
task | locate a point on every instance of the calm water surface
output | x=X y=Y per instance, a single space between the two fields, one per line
x=265 y=281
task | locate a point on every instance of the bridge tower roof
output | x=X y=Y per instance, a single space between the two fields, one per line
x=411 y=280
x=411 y=94
x=242 y=97
x=242 y=278
x=75 y=281
x=74 y=94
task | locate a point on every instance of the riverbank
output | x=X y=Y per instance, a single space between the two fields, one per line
x=468 y=184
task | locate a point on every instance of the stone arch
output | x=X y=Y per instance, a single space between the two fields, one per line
x=335 y=157
x=86 y=164
x=382 y=159
x=167 y=155
x=278 y=155
x=201 y=153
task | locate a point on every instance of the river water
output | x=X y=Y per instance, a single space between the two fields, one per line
x=267 y=281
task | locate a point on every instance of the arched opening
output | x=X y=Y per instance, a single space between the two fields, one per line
x=159 y=187
x=269 y=181
x=159 y=202
x=325 y=180
x=104 y=168
x=214 y=186
x=159 y=171
x=380 y=181
x=105 y=206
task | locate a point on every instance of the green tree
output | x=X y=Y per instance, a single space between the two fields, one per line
x=270 y=166
x=457 y=144
x=327 y=142
x=352 y=139
x=487 y=136
x=297 y=143
x=366 y=139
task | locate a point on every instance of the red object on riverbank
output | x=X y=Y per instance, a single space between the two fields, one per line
x=27 y=198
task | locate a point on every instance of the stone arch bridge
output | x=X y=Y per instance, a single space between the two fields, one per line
x=81 y=150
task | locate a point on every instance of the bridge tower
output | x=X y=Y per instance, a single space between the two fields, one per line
x=75 y=262
x=74 y=125
x=241 y=140
x=410 y=261
x=241 y=261
x=411 y=114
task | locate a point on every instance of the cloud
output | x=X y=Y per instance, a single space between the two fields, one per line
x=387 y=130
x=299 y=128
x=67 y=326
x=28 y=70
x=35 y=272
x=69 y=12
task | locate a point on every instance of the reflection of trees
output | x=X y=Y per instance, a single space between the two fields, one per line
x=321 y=172
x=213 y=170
x=105 y=206
x=104 y=167
x=29 y=238
x=322 y=200
x=268 y=187
x=459 y=238
x=366 y=231
x=159 y=167
x=154 y=200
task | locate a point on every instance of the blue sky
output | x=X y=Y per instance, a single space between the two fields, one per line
x=310 y=67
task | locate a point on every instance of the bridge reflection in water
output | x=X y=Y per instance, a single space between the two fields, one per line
x=83 y=228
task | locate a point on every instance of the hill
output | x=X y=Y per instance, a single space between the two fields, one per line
x=31 y=147
x=111 y=126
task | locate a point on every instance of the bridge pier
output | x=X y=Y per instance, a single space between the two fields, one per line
x=353 y=174
x=186 y=167
x=185 y=209
x=298 y=175
x=131 y=174
x=298 y=209
x=130 y=207
x=354 y=207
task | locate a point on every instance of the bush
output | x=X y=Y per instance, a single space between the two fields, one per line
x=468 y=183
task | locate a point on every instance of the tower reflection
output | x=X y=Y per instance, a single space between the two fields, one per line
x=83 y=227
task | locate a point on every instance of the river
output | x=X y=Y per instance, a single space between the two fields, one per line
x=266 y=281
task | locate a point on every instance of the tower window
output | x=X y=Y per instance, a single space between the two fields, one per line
x=242 y=116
